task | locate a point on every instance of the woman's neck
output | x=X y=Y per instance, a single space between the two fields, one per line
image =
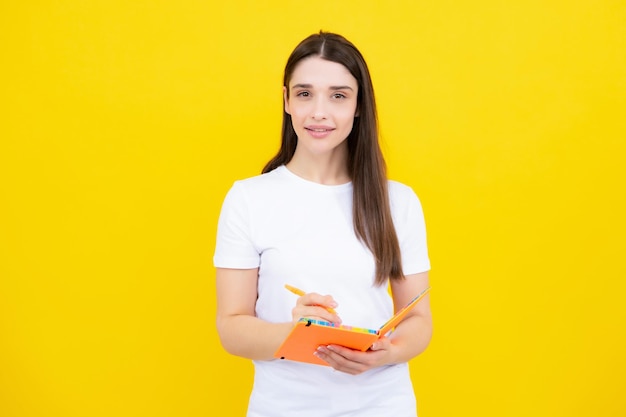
x=331 y=170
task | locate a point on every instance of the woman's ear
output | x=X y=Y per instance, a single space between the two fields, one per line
x=286 y=99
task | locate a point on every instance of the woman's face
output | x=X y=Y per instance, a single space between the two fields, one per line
x=322 y=99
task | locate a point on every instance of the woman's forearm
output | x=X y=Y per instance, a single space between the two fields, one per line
x=411 y=337
x=250 y=337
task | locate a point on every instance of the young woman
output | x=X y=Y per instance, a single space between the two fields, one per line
x=324 y=218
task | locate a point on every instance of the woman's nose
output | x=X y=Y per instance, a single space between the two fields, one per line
x=319 y=109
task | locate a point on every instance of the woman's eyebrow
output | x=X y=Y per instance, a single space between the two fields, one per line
x=340 y=87
x=332 y=87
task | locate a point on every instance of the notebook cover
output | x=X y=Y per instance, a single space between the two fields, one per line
x=308 y=334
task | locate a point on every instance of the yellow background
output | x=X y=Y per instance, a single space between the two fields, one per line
x=123 y=124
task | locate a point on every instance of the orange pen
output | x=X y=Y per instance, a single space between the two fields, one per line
x=301 y=293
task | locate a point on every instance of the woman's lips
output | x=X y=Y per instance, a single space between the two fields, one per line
x=319 y=132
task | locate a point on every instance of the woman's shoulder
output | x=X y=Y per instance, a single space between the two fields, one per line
x=258 y=186
x=403 y=197
x=261 y=179
x=400 y=190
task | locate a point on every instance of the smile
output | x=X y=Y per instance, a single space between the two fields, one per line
x=319 y=132
x=319 y=129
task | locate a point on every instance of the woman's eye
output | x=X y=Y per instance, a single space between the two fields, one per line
x=303 y=94
x=338 y=95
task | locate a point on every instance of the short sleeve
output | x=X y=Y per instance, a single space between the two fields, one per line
x=234 y=247
x=408 y=218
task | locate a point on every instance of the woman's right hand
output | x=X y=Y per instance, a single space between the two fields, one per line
x=315 y=306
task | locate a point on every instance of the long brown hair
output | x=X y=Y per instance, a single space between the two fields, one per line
x=366 y=166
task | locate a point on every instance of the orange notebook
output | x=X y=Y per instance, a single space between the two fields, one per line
x=308 y=334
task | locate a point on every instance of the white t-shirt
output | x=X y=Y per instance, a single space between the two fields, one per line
x=301 y=233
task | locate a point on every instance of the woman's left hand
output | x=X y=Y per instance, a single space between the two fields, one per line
x=355 y=362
